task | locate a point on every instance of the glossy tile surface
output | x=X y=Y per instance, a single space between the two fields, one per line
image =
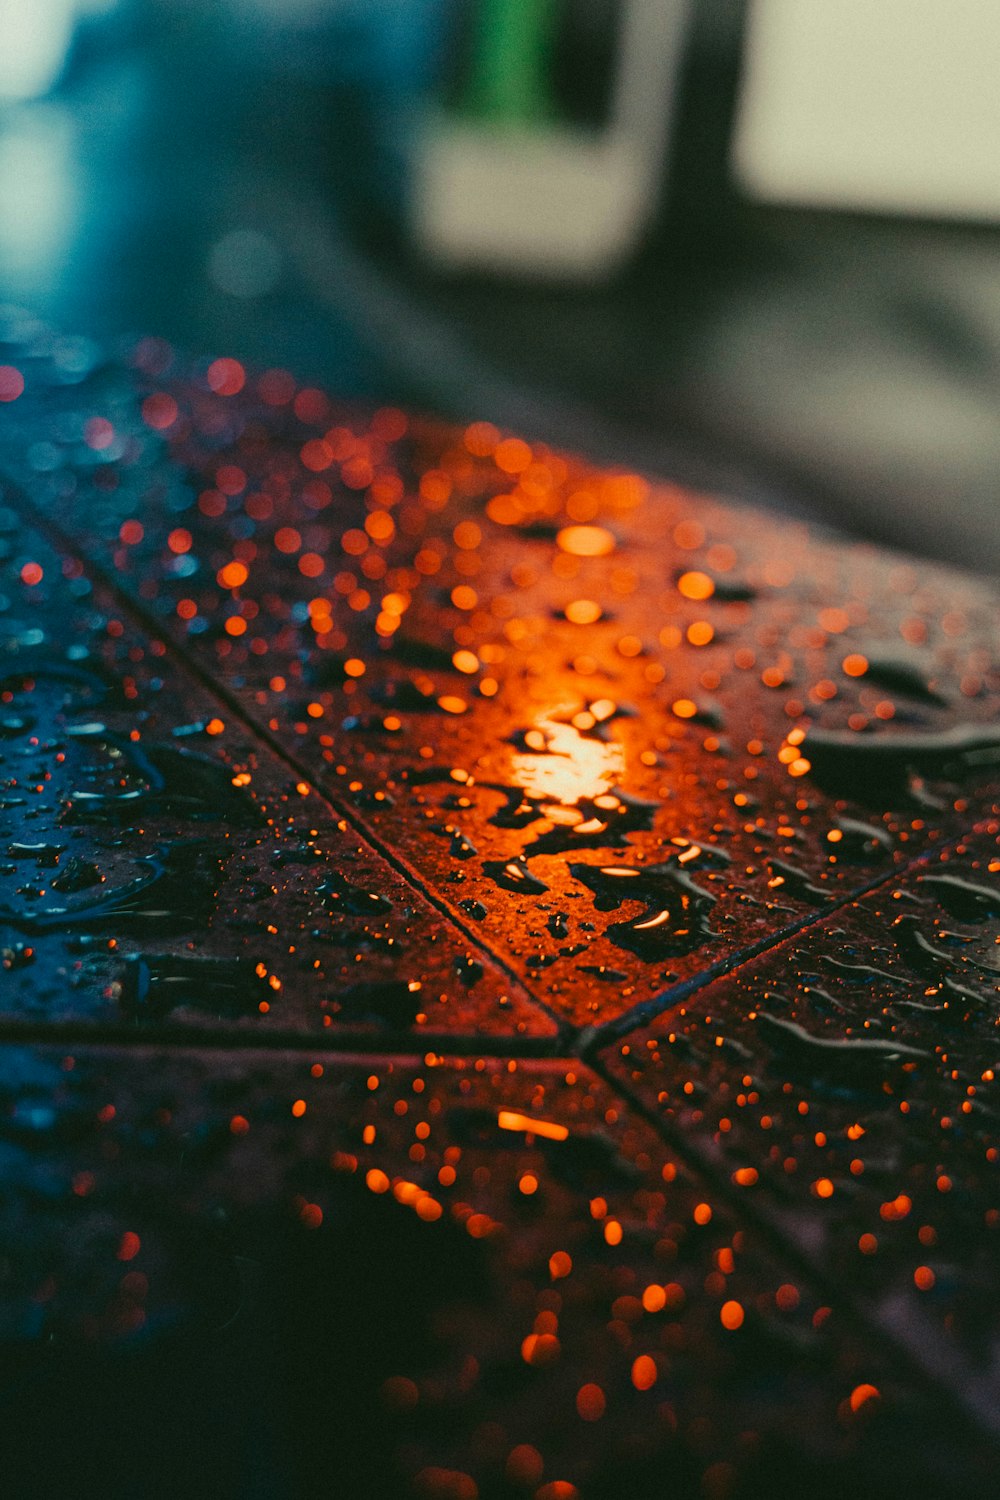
x=499 y=961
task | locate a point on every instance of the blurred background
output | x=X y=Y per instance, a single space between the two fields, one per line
x=750 y=244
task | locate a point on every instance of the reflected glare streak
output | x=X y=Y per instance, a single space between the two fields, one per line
x=512 y=1119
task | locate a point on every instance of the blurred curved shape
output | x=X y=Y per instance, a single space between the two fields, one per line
x=37 y=35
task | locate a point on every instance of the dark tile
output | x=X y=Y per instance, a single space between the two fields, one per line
x=845 y=1083
x=378 y=1277
x=389 y=601
x=698 y=785
x=161 y=869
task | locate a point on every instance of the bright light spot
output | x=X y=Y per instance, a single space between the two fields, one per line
x=586 y=541
x=732 y=1316
x=583 y=612
x=572 y=767
x=862 y=1394
x=696 y=585
x=512 y=1119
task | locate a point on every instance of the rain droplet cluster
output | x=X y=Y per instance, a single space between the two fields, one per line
x=413 y=839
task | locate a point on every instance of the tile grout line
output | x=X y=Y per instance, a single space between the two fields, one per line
x=579 y=1041
x=982 y=1408
x=67 y=545
x=591 y=1039
x=981 y=1411
x=114 y=1039
x=585 y=1043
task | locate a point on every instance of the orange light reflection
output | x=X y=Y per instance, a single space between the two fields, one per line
x=571 y=768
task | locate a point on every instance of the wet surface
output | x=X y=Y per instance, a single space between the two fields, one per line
x=411 y=838
x=497 y=1282
x=495 y=658
x=845 y=1082
x=160 y=869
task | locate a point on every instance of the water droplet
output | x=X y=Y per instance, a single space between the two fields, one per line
x=342 y=895
x=675 y=919
x=873 y=766
x=514 y=875
x=963 y=898
x=795 y=883
x=837 y=1062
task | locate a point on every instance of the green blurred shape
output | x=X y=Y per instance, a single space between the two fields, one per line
x=508 y=83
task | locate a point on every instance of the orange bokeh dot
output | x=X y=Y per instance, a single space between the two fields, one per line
x=688 y=535
x=316 y=455
x=591 y=1402
x=583 y=611
x=481 y=438
x=232 y=575
x=512 y=455
x=380 y=526
x=732 y=1315
x=695 y=585
x=524 y=1464
x=700 y=632
x=834 y=620
x=585 y=541
x=129 y=1245
x=539 y=1348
